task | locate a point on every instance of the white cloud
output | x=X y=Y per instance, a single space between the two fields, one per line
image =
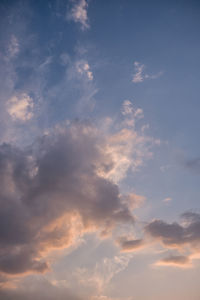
x=78 y=13
x=167 y=200
x=20 y=107
x=130 y=113
x=140 y=75
x=83 y=68
x=127 y=147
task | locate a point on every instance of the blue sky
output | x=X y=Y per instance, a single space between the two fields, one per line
x=99 y=150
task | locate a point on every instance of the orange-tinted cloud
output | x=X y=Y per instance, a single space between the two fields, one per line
x=179 y=261
x=52 y=193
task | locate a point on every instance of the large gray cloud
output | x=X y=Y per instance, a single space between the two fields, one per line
x=51 y=192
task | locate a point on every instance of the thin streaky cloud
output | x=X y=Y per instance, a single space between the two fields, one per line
x=178 y=261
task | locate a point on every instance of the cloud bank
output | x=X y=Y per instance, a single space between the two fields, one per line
x=57 y=189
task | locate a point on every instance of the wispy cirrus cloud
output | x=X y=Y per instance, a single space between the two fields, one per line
x=102 y=273
x=78 y=13
x=140 y=75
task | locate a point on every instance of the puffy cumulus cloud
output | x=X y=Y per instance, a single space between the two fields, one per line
x=83 y=69
x=179 y=261
x=78 y=13
x=55 y=191
x=140 y=75
x=20 y=107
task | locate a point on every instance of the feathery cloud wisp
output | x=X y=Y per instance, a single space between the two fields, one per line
x=140 y=75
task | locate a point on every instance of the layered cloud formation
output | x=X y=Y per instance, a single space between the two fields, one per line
x=59 y=188
x=183 y=238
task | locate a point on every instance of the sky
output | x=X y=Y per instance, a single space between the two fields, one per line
x=99 y=150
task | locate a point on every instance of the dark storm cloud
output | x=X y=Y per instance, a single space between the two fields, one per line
x=48 y=189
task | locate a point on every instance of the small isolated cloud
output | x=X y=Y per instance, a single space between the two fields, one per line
x=83 y=69
x=130 y=245
x=140 y=75
x=130 y=113
x=167 y=200
x=78 y=13
x=103 y=272
x=20 y=107
x=179 y=261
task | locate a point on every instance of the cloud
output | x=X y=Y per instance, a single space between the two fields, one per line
x=130 y=245
x=103 y=272
x=20 y=107
x=140 y=75
x=51 y=194
x=83 y=68
x=167 y=200
x=78 y=13
x=179 y=261
x=183 y=237
x=13 y=47
x=128 y=146
x=130 y=113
